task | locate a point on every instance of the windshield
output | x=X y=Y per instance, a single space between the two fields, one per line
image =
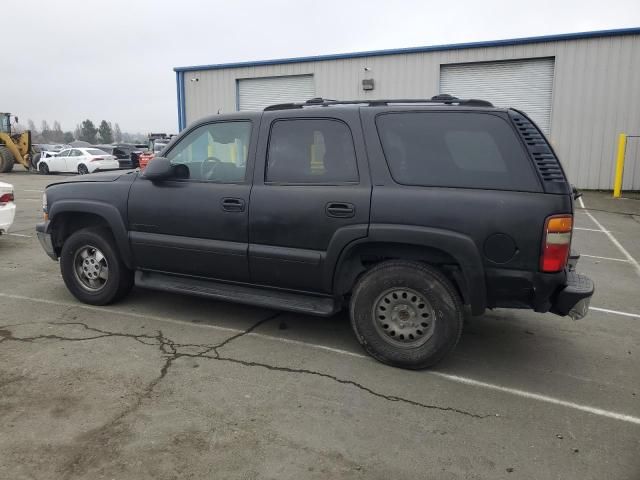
x=95 y=151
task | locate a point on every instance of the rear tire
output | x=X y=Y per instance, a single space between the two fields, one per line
x=82 y=169
x=406 y=314
x=92 y=268
x=6 y=159
x=43 y=168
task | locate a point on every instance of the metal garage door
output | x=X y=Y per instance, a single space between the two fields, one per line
x=523 y=84
x=257 y=93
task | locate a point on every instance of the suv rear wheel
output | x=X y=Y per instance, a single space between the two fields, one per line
x=406 y=314
x=92 y=268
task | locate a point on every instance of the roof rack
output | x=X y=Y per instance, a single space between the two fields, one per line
x=444 y=99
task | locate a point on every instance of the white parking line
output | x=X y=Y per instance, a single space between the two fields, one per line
x=613 y=239
x=454 y=378
x=39 y=191
x=605 y=258
x=19 y=235
x=588 y=229
x=615 y=312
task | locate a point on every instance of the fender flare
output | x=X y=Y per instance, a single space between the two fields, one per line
x=108 y=212
x=461 y=247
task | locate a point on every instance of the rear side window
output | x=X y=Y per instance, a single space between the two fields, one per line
x=306 y=151
x=455 y=149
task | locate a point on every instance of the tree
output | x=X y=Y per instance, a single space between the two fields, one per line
x=88 y=132
x=105 y=132
x=117 y=133
x=77 y=133
x=46 y=133
x=32 y=126
x=68 y=137
x=57 y=135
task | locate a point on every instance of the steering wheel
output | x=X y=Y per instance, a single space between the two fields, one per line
x=208 y=166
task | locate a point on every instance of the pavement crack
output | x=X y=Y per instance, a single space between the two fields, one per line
x=215 y=348
x=390 y=398
x=170 y=350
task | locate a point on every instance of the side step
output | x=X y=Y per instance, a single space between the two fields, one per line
x=261 y=297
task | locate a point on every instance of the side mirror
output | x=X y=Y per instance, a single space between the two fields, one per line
x=159 y=168
x=15 y=119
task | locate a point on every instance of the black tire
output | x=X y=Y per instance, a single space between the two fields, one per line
x=119 y=280
x=435 y=298
x=82 y=169
x=6 y=159
x=35 y=158
x=43 y=168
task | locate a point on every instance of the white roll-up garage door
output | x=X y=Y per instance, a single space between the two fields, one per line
x=523 y=84
x=257 y=93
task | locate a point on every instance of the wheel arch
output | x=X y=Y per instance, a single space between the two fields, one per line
x=68 y=216
x=455 y=253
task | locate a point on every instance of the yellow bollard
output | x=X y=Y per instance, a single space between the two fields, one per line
x=617 y=185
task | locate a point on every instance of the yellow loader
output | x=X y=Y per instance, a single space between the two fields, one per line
x=13 y=147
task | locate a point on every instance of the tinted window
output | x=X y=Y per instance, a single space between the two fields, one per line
x=64 y=153
x=95 y=151
x=311 y=151
x=216 y=152
x=449 y=149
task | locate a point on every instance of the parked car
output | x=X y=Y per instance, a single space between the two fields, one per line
x=404 y=212
x=127 y=155
x=78 y=160
x=7 y=207
x=42 y=150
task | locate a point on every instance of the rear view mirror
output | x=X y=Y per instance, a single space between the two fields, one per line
x=159 y=168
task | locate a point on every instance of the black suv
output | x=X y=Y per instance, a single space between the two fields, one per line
x=126 y=154
x=405 y=211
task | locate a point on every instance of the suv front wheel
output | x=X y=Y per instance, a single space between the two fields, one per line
x=92 y=268
x=406 y=314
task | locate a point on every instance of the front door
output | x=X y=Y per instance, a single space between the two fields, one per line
x=197 y=224
x=310 y=197
x=58 y=163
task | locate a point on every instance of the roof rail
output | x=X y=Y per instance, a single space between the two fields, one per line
x=443 y=98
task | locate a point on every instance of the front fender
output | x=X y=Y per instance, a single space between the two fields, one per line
x=108 y=212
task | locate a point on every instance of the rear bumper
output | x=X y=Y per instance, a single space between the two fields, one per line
x=563 y=293
x=574 y=298
x=45 y=240
x=7 y=214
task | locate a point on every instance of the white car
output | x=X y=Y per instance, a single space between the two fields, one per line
x=78 y=160
x=7 y=207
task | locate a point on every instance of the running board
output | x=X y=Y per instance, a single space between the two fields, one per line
x=260 y=297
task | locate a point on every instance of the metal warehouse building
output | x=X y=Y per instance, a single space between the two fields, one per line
x=582 y=89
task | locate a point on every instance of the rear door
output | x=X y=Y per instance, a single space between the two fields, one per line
x=310 y=196
x=74 y=159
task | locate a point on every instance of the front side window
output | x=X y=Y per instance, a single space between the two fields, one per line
x=455 y=149
x=306 y=151
x=216 y=152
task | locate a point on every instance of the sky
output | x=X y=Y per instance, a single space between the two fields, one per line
x=114 y=59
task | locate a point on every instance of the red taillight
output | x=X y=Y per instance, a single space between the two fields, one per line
x=5 y=198
x=96 y=159
x=556 y=243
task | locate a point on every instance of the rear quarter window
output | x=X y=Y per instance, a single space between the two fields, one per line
x=455 y=149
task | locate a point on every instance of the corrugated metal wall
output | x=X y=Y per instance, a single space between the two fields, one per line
x=596 y=91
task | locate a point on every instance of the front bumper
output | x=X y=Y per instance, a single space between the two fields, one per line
x=45 y=240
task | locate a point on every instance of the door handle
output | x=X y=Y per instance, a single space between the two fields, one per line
x=232 y=204
x=340 y=209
